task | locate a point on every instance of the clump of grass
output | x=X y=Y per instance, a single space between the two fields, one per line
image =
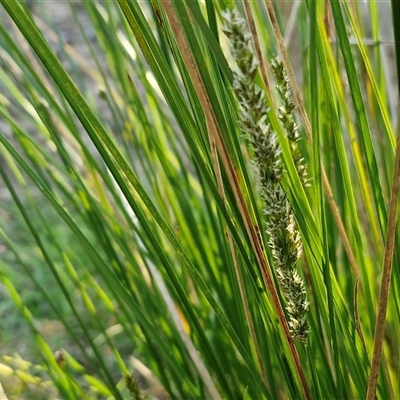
x=124 y=255
x=284 y=237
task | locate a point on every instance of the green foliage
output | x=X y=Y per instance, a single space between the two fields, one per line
x=135 y=259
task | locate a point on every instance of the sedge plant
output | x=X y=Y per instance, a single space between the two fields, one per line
x=199 y=200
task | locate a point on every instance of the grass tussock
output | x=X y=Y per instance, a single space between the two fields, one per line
x=199 y=201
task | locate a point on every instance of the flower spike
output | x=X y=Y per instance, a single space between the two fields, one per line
x=284 y=237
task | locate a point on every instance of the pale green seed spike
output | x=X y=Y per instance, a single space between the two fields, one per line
x=284 y=238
